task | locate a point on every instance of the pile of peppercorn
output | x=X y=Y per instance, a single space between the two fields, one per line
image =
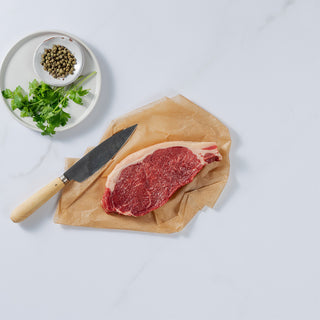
x=58 y=61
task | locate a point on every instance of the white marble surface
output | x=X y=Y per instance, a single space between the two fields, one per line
x=253 y=64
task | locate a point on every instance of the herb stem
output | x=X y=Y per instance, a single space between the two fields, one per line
x=83 y=79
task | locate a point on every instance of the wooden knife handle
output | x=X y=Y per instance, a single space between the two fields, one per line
x=25 y=209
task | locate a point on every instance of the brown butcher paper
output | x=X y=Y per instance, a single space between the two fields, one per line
x=167 y=119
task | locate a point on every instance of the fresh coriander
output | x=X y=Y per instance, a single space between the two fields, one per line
x=45 y=104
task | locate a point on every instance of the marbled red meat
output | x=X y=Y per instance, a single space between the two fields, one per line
x=146 y=179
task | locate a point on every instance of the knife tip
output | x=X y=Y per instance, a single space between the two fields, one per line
x=133 y=128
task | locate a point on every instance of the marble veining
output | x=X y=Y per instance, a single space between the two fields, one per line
x=274 y=16
x=41 y=159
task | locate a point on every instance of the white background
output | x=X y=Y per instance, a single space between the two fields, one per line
x=253 y=64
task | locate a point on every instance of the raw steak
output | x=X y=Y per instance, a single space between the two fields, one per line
x=146 y=179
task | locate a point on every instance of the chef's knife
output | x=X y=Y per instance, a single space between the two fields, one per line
x=80 y=171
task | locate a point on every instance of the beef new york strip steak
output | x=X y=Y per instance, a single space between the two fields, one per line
x=146 y=179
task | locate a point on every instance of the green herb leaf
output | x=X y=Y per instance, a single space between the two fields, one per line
x=7 y=94
x=17 y=101
x=25 y=112
x=82 y=92
x=74 y=96
x=33 y=87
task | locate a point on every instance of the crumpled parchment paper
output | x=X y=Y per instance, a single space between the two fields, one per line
x=163 y=120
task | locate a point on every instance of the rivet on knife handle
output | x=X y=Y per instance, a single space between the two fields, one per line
x=25 y=209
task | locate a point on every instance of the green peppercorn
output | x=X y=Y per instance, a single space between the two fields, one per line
x=58 y=61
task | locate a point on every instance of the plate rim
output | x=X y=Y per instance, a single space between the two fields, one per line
x=26 y=38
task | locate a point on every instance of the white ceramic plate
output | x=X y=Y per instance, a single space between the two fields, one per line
x=17 y=69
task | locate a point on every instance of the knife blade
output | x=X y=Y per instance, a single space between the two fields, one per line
x=80 y=171
x=99 y=156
